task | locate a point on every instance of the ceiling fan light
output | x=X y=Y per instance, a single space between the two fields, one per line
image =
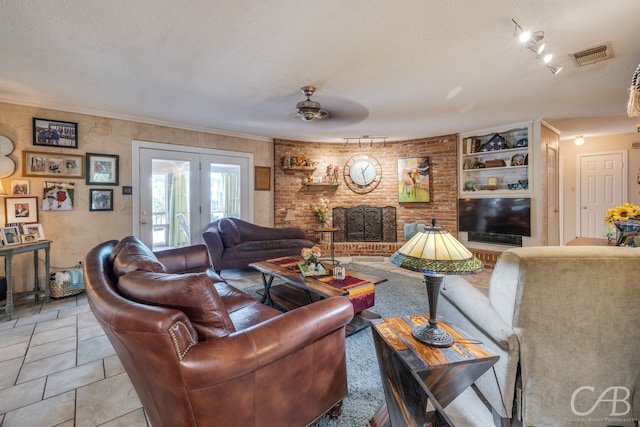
x=309 y=109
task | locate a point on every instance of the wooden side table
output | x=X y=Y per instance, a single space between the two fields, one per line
x=8 y=251
x=417 y=377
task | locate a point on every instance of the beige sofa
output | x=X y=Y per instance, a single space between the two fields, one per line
x=565 y=322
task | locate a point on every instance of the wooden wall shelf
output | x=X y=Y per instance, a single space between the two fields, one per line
x=299 y=168
x=321 y=184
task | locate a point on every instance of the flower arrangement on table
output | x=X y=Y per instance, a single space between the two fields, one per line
x=622 y=222
x=321 y=211
x=311 y=265
x=311 y=255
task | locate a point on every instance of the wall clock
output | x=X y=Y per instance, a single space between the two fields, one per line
x=362 y=173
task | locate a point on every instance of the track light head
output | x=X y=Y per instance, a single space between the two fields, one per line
x=555 y=69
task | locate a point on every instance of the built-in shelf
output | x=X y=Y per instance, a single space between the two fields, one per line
x=504 y=169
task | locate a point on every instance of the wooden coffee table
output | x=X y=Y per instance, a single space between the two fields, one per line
x=296 y=290
x=416 y=376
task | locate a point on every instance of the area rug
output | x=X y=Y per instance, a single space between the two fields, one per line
x=398 y=296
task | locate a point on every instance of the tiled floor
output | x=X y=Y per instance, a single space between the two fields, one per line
x=57 y=368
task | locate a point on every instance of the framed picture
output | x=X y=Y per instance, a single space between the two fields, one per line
x=10 y=235
x=100 y=199
x=21 y=209
x=413 y=180
x=57 y=196
x=54 y=133
x=28 y=238
x=35 y=229
x=102 y=169
x=20 y=187
x=262 y=178
x=54 y=165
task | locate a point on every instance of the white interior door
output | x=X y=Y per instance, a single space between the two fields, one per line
x=602 y=186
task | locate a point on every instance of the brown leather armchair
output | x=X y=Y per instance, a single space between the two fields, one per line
x=200 y=352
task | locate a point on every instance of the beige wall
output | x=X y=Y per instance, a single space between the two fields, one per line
x=73 y=233
x=568 y=156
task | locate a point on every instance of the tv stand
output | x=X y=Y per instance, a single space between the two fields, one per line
x=502 y=239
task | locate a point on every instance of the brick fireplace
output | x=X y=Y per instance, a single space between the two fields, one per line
x=293 y=196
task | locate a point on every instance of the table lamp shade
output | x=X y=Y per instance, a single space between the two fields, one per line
x=435 y=251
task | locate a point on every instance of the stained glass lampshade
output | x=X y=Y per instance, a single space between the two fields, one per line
x=435 y=252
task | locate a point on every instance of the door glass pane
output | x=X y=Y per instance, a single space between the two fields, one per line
x=225 y=191
x=170 y=201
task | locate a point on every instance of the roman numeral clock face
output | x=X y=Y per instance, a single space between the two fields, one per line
x=362 y=173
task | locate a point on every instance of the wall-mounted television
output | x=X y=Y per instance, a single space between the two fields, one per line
x=507 y=216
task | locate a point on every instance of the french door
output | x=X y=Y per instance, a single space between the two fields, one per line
x=179 y=190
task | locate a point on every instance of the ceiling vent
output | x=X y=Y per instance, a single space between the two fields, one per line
x=593 y=55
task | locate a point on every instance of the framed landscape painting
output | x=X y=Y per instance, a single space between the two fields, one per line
x=413 y=180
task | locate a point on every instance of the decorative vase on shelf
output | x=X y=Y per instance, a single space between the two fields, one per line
x=323 y=224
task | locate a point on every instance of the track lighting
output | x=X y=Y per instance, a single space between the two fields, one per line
x=533 y=41
x=555 y=69
x=371 y=140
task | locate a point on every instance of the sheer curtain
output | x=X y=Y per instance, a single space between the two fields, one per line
x=179 y=208
x=231 y=185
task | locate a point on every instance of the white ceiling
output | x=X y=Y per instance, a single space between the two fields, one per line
x=400 y=69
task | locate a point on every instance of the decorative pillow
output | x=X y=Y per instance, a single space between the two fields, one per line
x=133 y=256
x=118 y=247
x=193 y=294
x=229 y=232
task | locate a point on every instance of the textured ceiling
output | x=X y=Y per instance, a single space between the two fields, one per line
x=405 y=69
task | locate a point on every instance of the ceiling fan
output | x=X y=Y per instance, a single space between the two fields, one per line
x=309 y=110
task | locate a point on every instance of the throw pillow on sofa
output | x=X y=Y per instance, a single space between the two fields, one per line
x=192 y=293
x=134 y=255
x=229 y=232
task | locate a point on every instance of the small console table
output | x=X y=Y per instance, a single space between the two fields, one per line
x=8 y=252
x=416 y=376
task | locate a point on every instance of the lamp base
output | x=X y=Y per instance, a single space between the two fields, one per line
x=432 y=335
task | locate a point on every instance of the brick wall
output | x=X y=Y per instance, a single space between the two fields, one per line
x=291 y=195
x=489 y=258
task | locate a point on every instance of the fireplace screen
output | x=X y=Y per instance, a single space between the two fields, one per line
x=365 y=224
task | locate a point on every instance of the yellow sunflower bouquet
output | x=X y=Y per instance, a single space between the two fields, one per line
x=623 y=213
